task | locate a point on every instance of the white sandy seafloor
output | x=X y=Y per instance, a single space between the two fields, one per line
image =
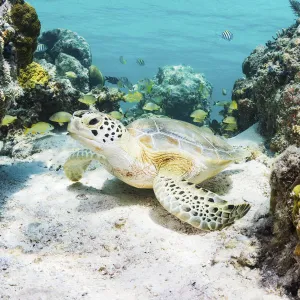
x=102 y=239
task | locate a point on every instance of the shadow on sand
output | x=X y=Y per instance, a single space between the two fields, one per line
x=13 y=178
x=115 y=193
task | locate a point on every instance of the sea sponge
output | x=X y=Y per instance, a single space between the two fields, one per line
x=96 y=77
x=27 y=26
x=31 y=75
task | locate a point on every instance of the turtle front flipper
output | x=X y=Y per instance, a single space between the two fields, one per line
x=195 y=205
x=78 y=162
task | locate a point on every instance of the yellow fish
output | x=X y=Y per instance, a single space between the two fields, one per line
x=116 y=115
x=203 y=90
x=229 y=120
x=8 y=120
x=199 y=115
x=61 y=117
x=198 y=120
x=133 y=97
x=230 y=127
x=232 y=106
x=88 y=99
x=71 y=75
x=40 y=127
x=151 y=106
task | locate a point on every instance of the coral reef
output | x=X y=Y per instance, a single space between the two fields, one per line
x=108 y=98
x=32 y=75
x=27 y=25
x=281 y=247
x=270 y=92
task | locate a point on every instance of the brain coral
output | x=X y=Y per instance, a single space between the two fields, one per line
x=31 y=75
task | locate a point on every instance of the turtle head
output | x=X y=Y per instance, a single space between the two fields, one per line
x=95 y=130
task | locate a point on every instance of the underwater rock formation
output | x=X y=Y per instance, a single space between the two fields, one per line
x=68 y=42
x=181 y=87
x=70 y=53
x=66 y=63
x=281 y=251
x=177 y=91
x=270 y=92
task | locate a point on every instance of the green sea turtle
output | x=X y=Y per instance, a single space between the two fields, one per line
x=170 y=156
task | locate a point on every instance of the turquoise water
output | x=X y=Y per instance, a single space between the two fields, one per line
x=165 y=32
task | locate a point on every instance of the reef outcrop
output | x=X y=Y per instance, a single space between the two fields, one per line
x=177 y=90
x=68 y=42
x=281 y=246
x=270 y=92
x=9 y=34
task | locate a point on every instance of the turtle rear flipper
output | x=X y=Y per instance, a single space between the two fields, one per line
x=78 y=162
x=194 y=205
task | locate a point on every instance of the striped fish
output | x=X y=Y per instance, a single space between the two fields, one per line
x=140 y=62
x=41 y=48
x=227 y=35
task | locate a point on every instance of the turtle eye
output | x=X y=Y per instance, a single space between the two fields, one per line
x=93 y=121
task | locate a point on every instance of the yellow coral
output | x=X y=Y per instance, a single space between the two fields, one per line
x=31 y=75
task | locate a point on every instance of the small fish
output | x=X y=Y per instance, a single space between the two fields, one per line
x=116 y=115
x=133 y=97
x=151 y=106
x=198 y=120
x=8 y=120
x=148 y=85
x=126 y=82
x=227 y=35
x=222 y=103
x=122 y=60
x=40 y=127
x=203 y=90
x=41 y=48
x=112 y=80
x=229 y=120
x=224 y=92
x=233 y=106
x=140 y=62
x=61 y=117
x=71 y=75
x=120 y=84
x=230 y=127
x=88 y=99
x=199 y=115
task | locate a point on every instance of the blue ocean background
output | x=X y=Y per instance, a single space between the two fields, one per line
x=170 y=32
